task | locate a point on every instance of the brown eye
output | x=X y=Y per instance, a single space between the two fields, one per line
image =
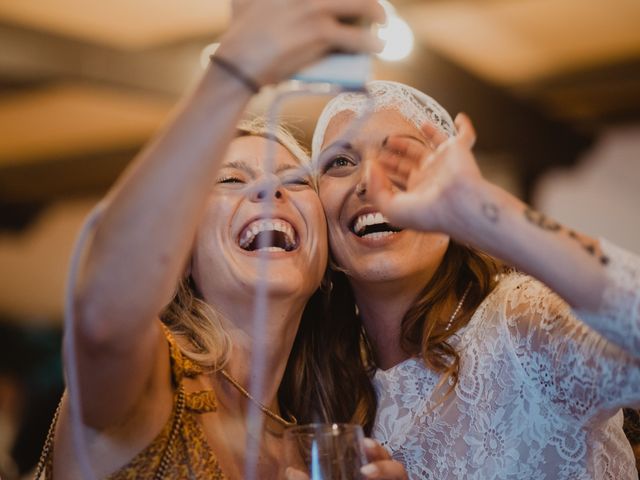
x=339 y=161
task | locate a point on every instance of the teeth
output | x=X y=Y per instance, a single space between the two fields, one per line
x=271 y=249
x=377 y=235
x=268 y=225
x=367 y=220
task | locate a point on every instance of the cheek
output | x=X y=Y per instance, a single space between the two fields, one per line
x=331 y=199
x=216 y=217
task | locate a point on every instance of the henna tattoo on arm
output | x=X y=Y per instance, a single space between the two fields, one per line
x=545 y=223
x=541 y=220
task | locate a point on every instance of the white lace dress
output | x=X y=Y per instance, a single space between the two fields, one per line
x=539 y=394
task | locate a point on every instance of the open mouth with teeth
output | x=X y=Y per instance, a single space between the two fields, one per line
x=271 y=235
x=373 y=225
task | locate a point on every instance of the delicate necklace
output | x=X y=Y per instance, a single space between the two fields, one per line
x=458 y=307
x=269 y=413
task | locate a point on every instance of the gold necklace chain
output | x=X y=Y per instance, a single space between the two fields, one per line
x=269 y=413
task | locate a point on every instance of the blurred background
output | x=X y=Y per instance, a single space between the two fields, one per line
x=553 y=87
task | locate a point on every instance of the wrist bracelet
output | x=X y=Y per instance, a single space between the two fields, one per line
x=232 y=69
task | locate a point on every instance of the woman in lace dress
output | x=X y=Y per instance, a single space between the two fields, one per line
x=161 y=388
x=478 y=375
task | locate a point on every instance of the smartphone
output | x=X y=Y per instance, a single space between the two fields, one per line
x=351 y=71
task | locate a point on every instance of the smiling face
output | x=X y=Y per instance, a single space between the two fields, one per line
x=253 y=214
x=361 y=241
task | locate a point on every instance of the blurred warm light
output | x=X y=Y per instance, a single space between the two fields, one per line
x=124 y=24
x=206 y=53
x=513 y=42
x=396 y=34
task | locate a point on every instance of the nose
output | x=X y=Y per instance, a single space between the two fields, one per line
x=268 y=189
x=361 y=186
x=263 y=194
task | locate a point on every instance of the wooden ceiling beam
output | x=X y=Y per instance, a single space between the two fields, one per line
x=30 y=56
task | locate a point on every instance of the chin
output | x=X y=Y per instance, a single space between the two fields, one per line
x=384 y=269
x=377 y=275
x=280 y=282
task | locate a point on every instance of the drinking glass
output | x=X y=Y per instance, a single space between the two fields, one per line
x=324 y=451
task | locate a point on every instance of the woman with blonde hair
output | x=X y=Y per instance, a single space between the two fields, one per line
x=162 y=369
x=479 y=372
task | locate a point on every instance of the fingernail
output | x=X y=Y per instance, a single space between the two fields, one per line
x=370 y=470
x=370 y=443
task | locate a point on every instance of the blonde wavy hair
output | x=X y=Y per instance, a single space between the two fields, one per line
x=197 y=325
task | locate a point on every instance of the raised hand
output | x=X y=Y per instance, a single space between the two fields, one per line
x=269 y=40
x=434 y=181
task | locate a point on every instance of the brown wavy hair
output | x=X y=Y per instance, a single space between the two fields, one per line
x=327 y=378
x=424 y=327
x=343 y=353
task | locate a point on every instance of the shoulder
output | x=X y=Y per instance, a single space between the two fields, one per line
x=517 y=291
x=521 y=303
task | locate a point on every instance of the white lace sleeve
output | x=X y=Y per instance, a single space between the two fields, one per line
x=618 y=318
x=583 y=375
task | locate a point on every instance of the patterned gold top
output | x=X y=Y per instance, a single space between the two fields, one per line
x=189 y=455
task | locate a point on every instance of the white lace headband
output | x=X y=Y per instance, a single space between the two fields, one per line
x=412 y=104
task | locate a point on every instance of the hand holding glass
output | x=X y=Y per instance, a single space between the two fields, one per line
x=323 y=451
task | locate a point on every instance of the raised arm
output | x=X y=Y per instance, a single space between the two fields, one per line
x=446 y=192
x=584 y=377
x=143 y=238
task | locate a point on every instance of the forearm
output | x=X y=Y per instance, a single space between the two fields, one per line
x=144 y=236
x=570 y=263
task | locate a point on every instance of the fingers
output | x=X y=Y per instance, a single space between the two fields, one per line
x=375 y=451
x=292 y=474
x=400 y=156
x=384 y=470
x=349 y=30
x=366 y=10
x=351 y=38
x=381 y=465
x=433 y=134
x=466 y=133
x=410 y=149
x=297 y=33
x=394 y=205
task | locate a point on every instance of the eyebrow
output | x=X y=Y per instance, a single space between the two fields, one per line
x=348 y=146
x=411 y=137
x=339 y=144
x=244 y=166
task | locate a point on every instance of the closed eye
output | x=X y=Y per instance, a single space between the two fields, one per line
x=296 y=181
x=229 y=179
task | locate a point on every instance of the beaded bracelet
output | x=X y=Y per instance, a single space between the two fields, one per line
x=232 y=69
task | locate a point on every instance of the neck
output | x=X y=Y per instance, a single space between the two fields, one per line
x=270 y=340
x=382 y=306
